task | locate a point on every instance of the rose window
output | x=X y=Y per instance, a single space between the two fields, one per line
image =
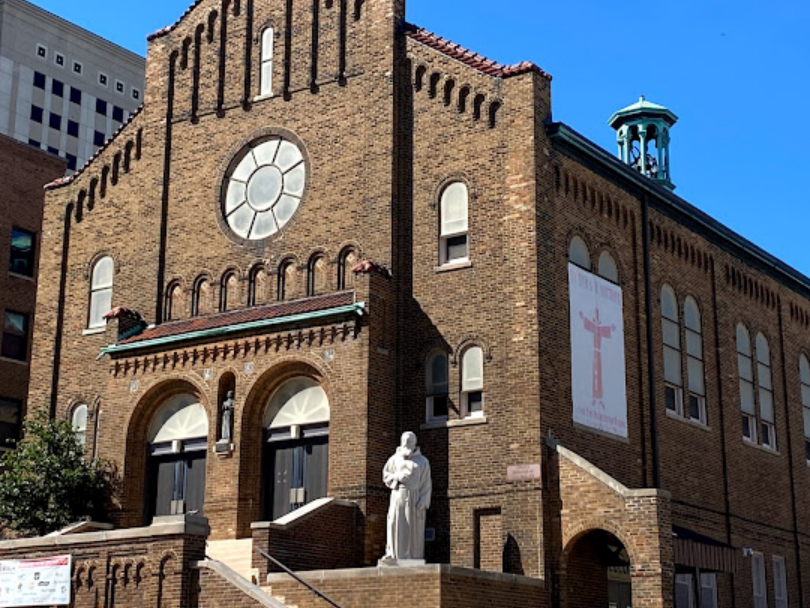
x=263 y=188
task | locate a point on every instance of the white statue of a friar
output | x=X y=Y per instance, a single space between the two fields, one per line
x=407 y=475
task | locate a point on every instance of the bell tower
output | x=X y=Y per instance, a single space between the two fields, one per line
x=642 y=132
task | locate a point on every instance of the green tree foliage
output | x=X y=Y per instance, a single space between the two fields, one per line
x=47 y=484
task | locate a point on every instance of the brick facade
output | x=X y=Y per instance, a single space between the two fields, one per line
x=387 y=116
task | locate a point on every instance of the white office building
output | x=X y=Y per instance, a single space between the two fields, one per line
x=62 y=88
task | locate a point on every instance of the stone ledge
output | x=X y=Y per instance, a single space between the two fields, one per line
x=428 y=569
x=173 y=525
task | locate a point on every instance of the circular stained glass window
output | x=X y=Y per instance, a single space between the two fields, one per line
x=263 y=189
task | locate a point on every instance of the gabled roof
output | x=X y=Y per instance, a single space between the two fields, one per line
x=471 y=58
x=173 y=26
x=68 y=179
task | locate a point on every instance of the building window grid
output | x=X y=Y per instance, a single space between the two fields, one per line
x=695 y=367
x=766 y=402
x=804 y=376
x=23 y=252
x=15 y=336
x=39 y=80
x=673 y=372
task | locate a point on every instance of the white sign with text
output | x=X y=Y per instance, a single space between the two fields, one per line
x=35 y=582
x=598 y=384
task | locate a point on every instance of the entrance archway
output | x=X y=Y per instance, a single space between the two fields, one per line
x=295 y=460
x=177 y=442
x=597 y=572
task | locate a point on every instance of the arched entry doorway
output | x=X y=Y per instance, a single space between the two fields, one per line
x=295 y=459
x=177 y=447
x=598 y=572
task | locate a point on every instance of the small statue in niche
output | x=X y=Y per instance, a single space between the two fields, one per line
x=227 y=418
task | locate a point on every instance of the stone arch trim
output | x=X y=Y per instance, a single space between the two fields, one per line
x=436 y=195
x=574 y=532
x=137 y=426
x=467 y=342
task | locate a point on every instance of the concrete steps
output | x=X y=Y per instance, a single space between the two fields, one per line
x=236 y=554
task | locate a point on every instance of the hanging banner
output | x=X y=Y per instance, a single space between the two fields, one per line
x=35 y=582
x=598 y=385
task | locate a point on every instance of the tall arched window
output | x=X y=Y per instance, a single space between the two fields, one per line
x=745 y=367
x=695 y=369
x=765 y=380
x=266 y=86
x=286 y=281
x=607 y=267
x=436 y=386
x=296 y=455
x=453 y=237
x=101 y=291
x=178 y=441
x=79 y=421
x=175 y=302
x=670 y=329
x=804 y=376
x=472 y=383
x=578 y=253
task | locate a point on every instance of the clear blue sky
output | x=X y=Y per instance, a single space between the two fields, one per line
x=737 y=73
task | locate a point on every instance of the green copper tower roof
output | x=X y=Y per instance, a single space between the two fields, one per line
x=642 y=108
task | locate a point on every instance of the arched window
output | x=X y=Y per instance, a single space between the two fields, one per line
x=449 y=87
x=745 y=367
x=695 y=368
x=670 y=329
x=453 y=237
x=257 y=286
x=346 y=261
x=607 y=267
x=437 y=386
x=229 y=292
x=266 y=80
x=287 y=279
x=472 y=383
x=201 y=297
x=175 y=302
x=296 y=455
x=101 y=291
x=578 y=253
x=765 y=382
x=79 y=421
x=804 y=376
x=178 y=441
x=316 y=276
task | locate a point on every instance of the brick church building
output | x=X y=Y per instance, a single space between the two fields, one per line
x=357 y=228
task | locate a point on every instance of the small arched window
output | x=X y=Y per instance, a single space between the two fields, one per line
x=79 y=421
x=765 y=381
x=346 y=261
x=449 y=87
x=670 y=329
x=607 y=267
x=175 y=302
x=419 y=80
x=804 y=376
x=472 y=383
x=316 y=276
x=229 y=293
x=257 y=286
x=436 y=386
x=695 y=368
x=578 y=253
x=266 y=80
x=453 y=235
x=201 y=297
x=101 y=291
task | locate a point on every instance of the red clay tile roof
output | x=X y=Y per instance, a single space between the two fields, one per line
x=246 y=315
x=470 y=58
x=64 y=181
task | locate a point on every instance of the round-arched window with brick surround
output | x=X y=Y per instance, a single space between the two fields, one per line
x=263 y=187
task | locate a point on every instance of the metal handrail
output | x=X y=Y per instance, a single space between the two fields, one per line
x=309 y=586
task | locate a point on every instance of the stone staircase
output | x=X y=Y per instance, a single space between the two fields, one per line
x=236 y=554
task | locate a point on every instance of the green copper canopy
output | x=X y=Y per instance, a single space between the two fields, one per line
x=642 y=108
